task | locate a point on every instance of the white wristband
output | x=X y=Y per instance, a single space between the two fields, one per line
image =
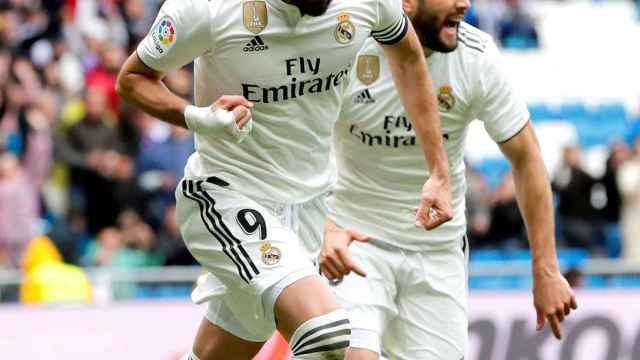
x=205 y=121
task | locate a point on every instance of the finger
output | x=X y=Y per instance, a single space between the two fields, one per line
x=351 y=264
x=229 y=102
x=358 y=236
x=422 y=215
x=242 y=116
x=328 y=271
x=574 y=302
x=434 y=220
x=560 y=315
x=337 y=265
x=555 y=326
x=567 y=309
x=539 y=320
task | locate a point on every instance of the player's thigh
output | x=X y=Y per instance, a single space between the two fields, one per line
x=369 y=300
x=251 y=254
x=432 y=311
x=303 y=300
x=213 y=342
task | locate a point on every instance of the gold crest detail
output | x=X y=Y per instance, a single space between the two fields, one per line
x=368 y=68
x=271 y=255
x=446 y=99
x=343 y=17
x=255 y=16
x=345 y=31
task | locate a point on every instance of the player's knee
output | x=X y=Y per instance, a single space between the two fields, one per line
x=324 y=337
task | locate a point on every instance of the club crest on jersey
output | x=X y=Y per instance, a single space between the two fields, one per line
x=271 y=255
x=345 y=31
x=446 y=99
x=368 y=68
x=255 y=16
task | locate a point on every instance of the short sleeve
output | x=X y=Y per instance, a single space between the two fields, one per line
x=392 y=23
x=498 y=105
x=180 y=33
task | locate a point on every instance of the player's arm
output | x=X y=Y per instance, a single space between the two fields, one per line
x=553 y=297
x=415 y=87
x=142 y=86
x=180 y=33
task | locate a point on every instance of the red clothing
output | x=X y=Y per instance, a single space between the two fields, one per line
x=106 y=81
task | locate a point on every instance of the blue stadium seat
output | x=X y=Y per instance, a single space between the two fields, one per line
x=612 y=111
x=595 y=282
x=493 y=170
x=573 y=111
x=625 y=281
x=572 y=257
x=541 y=112
x=488 y=255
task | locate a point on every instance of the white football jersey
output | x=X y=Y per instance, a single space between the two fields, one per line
x=381 y=165
x=292 y=67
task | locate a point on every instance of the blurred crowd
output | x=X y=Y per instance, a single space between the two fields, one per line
x=510 y=22
x=77 y=164
x=600 y=214
x=97 y=176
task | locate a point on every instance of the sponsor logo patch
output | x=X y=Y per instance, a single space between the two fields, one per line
x=368 y=68
x=165 y=35
x=364 y=98
x=255 y=16
x=256 y=44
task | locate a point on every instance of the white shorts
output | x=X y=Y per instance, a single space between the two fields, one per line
x=252 y=251
x=411 y=305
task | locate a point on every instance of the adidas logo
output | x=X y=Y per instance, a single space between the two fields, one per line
x=256 y=44
x=364 y=98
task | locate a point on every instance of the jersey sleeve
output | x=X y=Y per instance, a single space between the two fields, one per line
x=498 y=105
x=180 y=33
x=392 y=24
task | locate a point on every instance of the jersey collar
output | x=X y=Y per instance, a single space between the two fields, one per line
x=291 y=11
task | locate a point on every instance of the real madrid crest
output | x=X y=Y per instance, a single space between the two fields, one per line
x=345 y=31
x=271 y=255
x=368 y=68
x=255 y=16
x=446 y=99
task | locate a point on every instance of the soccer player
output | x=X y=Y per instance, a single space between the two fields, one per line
x=413 y=298
x=268 y=82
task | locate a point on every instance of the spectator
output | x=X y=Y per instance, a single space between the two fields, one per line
x=169 y=242
x=105 y=74
x=629 y=184
x=507 y=226
x=516 y=29
x=90 y=148
x=478 y=209
x=160 y=166
x=20 y=186
x=575 y=277
x=573 y=187
x=611 y=211
x=49 y=279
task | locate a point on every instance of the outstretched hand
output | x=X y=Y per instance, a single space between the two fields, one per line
x=335 y=259
x=553 y=299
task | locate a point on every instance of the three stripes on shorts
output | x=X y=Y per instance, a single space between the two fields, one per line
x=212 y=219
